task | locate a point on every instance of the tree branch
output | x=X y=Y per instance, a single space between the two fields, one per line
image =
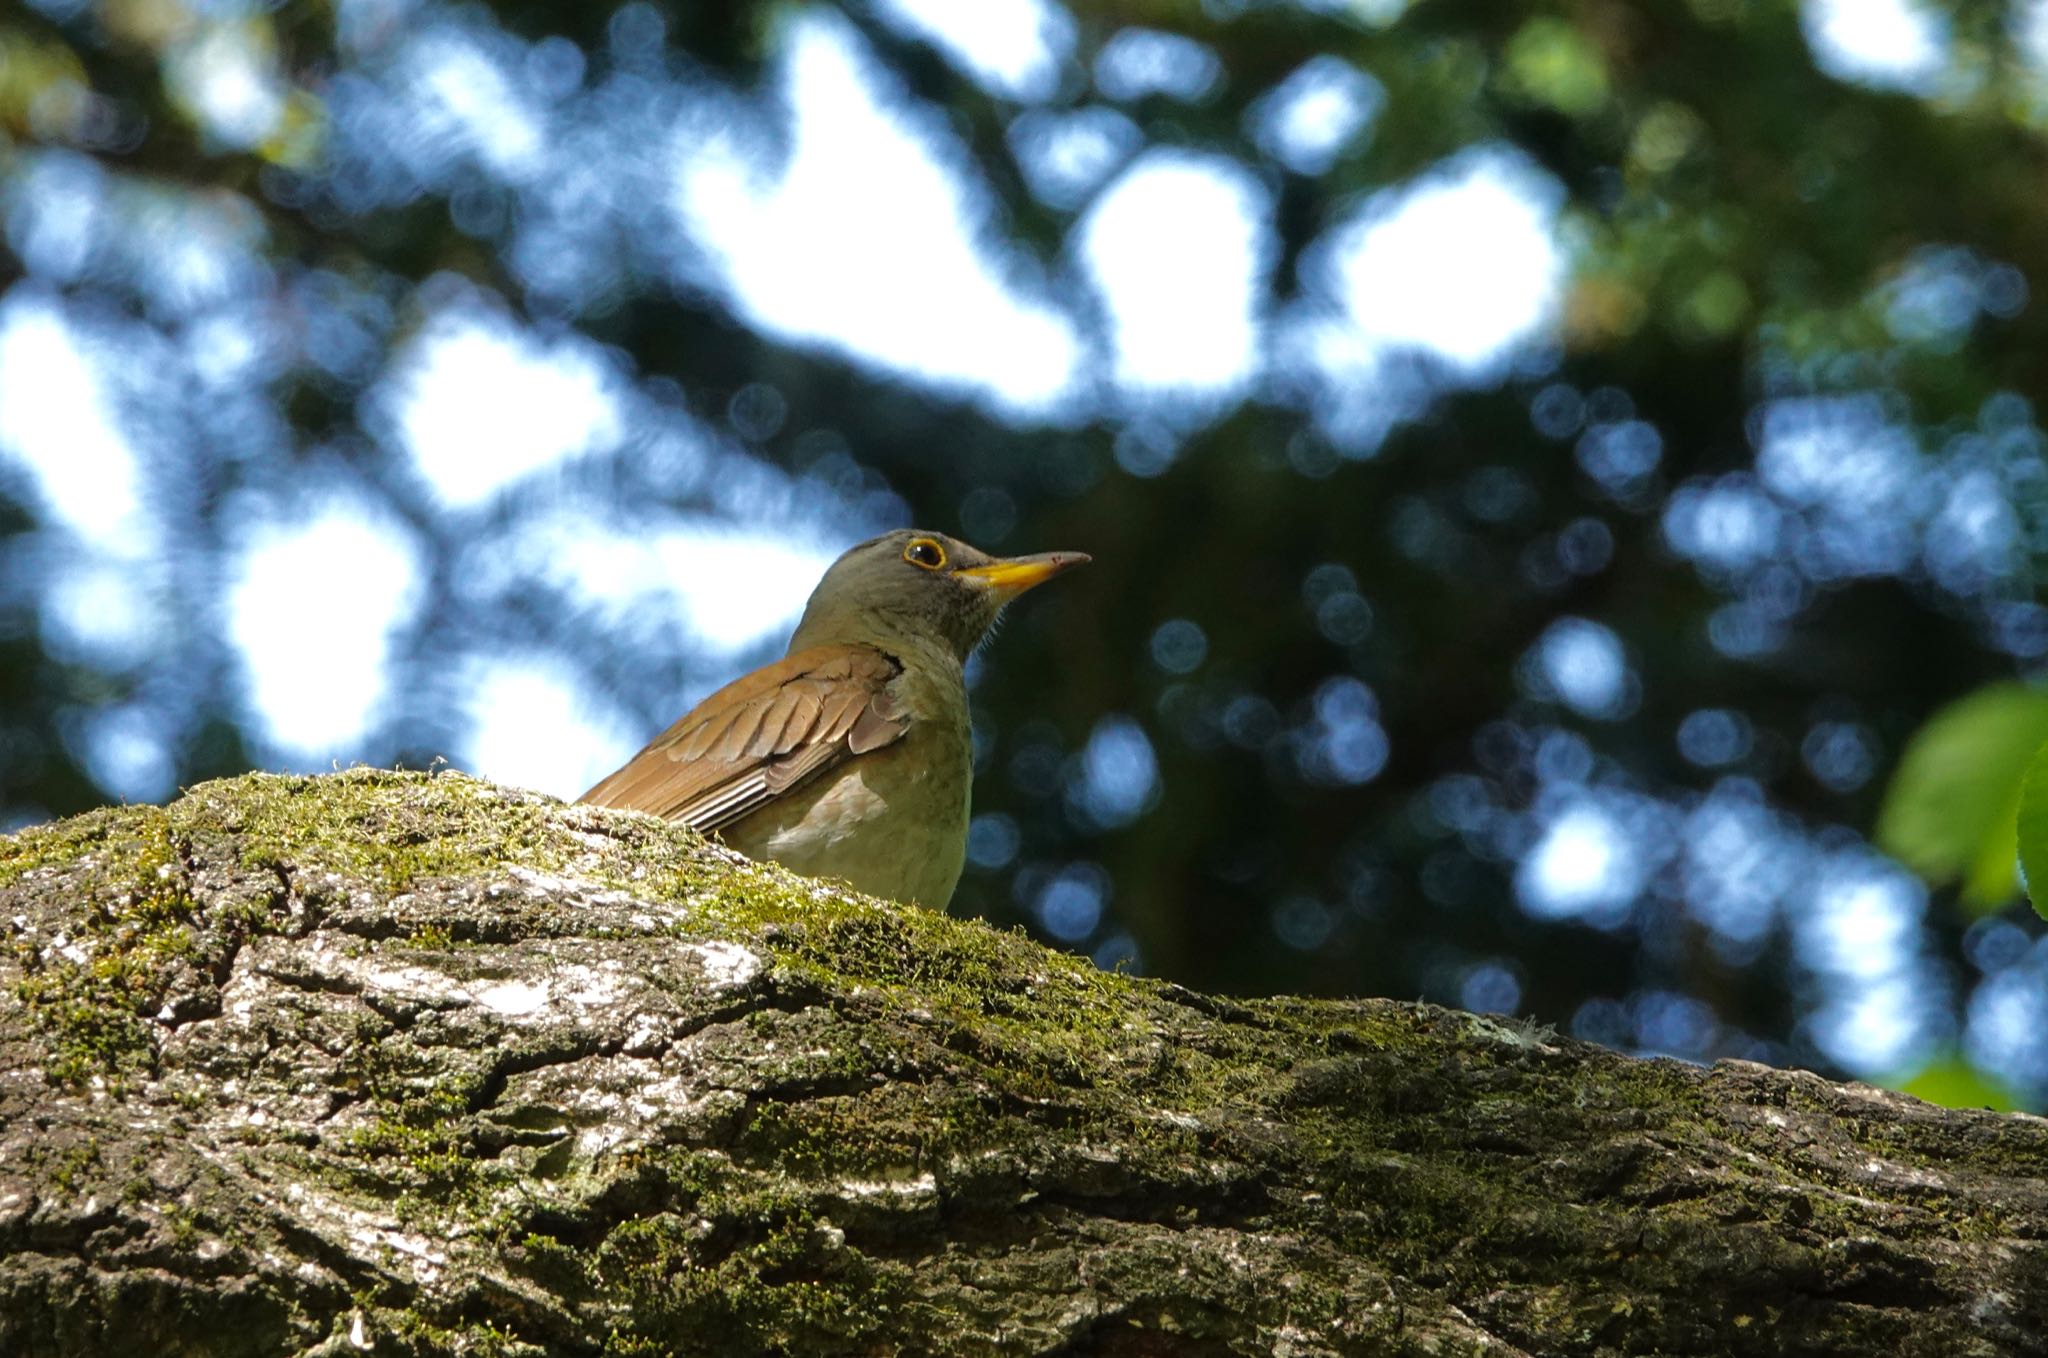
x=419 y=1065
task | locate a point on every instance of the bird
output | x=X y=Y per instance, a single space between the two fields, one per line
x=850 y=757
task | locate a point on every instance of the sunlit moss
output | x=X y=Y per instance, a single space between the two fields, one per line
x=92 y=992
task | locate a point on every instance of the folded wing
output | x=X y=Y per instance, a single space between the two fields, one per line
x=761 y=736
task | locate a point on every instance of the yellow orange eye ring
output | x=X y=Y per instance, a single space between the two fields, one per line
x=924 y=552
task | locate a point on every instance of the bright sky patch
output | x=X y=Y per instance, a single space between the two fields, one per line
x=1463 y=263
x=1015 y=48
x=56 y=419
x=533 y=725
x=1889 y=44
x=480 y=404
x=312 y=603
x=864 y=242
x=1177 y=249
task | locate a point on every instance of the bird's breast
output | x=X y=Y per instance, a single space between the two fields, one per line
x=892 y=822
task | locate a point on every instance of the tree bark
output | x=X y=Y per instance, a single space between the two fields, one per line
x=403 y=1064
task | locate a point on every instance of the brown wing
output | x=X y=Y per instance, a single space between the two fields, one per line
x=760 y=736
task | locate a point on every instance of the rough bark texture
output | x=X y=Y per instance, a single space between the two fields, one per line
x=417 y=1065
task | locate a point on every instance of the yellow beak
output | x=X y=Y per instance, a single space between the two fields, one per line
x=1013 y=575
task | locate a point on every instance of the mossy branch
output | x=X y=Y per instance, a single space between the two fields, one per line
x=416 y=1065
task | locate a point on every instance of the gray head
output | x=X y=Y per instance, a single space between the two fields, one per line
x=913 y=588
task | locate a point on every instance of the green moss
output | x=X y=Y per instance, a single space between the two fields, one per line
x=1057 y=1030
x=478 y=1339
x=62 y=844
x=73 y=1164
x=789 y=1285
x=390 y=828
x=94 y=998
x=419 y=1148
x=91 y=996
x=431 y=937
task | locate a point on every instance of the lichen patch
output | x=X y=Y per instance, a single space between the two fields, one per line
x=728 y=966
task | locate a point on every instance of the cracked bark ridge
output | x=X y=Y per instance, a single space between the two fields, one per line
x=395 y=1064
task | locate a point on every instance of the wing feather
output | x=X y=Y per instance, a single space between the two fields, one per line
x=840 y=711
x=762 y=736
x=789 y=719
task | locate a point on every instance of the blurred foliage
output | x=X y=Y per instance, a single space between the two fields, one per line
x=1951 y=809
x=1955 y=1083
x=1412 y=555
x=2032 y=828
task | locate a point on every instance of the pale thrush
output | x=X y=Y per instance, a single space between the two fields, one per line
x=849 y=757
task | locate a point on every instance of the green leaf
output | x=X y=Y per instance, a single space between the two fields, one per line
x=1953 y=1082
x=1953 y=805
x=2032 y=823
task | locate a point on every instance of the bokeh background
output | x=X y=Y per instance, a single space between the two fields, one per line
x=1543 y=460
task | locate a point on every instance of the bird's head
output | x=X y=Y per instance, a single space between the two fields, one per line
x=913 y=586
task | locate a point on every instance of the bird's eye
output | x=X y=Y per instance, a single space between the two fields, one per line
x=926 y=553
